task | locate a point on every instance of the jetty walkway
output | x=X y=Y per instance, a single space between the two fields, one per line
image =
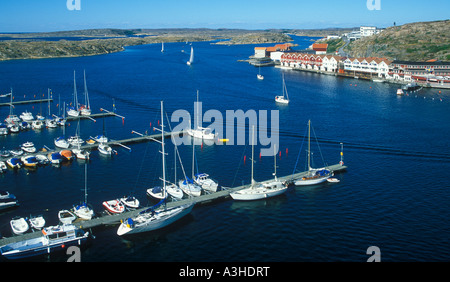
x=106 y=219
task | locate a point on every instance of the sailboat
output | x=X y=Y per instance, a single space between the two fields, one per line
x=77 y=141
x=314 y=175
x=191 y=59
x=259 y=75
x=74 y=111
x=152 y=219
x=201 y=132
x=162 y=47
x=262 y=190
x=49 y=121
x=284 y=99
x=85 y=110
x=82 y=210
x=61 y=141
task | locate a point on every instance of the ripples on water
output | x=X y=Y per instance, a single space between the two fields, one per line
x=394 y=194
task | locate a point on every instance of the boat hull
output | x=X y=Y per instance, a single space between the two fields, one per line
x=173 y=215
x=251 y=194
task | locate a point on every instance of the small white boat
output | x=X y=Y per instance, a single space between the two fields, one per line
x=61 y=142
x=37 y=222
x=75 y=140
x=66 y=216
x=26 y=116
x=19 y=225
x=202 y=133
x=260 y=76
x=3 y=167
x=12 y=119
x=51 y=123
x=333 y=180
x=42 y=159
x=400 y=92
x=28 y=147
x=156 y=192
x=72 y=112
x=81 y=154
x=7 y=200
x=100 y=138
x=206 y=182
x=105 y=149
x=174 y=191
x=189 y=187
x=17 y=152
x=3 y=129
x=114 y=206
x=37 y=124
x=83 y=211
x=130 y=202
x=14 y=128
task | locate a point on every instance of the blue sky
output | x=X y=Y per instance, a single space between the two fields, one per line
x=53 y=15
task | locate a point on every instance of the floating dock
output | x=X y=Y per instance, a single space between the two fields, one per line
x=26 y=102
x=203 y=199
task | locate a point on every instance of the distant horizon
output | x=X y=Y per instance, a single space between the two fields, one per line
x=21 y=16
x=211 y=28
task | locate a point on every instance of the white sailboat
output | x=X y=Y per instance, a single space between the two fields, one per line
x=74 y=111
x=151 y=219
x=284 y=99
x=77 y=141
x=314 y=175
x=201 y=132
x=61 y=141
x=259 y=75
x=263 y=190
x=191 y=59
x=85 y=110
x=50 y=122
x=82 y=210
x=162 y=47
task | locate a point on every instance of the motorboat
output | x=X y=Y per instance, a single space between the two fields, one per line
x=53 y=239
x=55 y=158
x=19 y=225
x=130 y=202
x=333 y=180
x=114 y=206
x=3 y=129
x=51 y=123
x=260 y=76
x=105 y=149
x=81 y=154
x=174 y=191
x=42 y=159
x=16 y=152
x=201 y=132
x=5 y=153
x=37 y=222
x=67 y=155
x=75 y=140
x=206 y=182
x=29 y=161
x=100 y=138
x=61 y=142
x=412 y=86
x=24 y=125
x=156 y=192
x=14 y=162
x=28 y=147
x=13 y=127
x=66 y=216
x=12 y=119
x=7 y=200
x=37 y=124
x=26 y=116
x=400 y=92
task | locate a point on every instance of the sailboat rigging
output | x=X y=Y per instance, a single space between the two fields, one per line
x=314 y=175
x=283 y=99
x=85 y=109
x=73 y=110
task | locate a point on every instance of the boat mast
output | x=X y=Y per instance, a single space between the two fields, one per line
x=75 y=99
x=163 y=151
x=309 y=144
x=275 y=161
x=253 y=141
x=85 y=183
x=86 y=95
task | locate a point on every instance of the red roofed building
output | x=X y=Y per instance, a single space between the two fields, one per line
x=320 y=48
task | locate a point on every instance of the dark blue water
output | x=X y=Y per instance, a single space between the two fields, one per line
x=394 y=195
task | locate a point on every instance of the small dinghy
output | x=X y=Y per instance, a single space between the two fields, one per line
x=55 y=158
x=130 y=202
x=29 y=161
x=66 y=217
x=19 y=225
x=14 y=162
x=333 y=180
x=28 y=147
x=114 y=206
x=37 y=222
x=67 y=154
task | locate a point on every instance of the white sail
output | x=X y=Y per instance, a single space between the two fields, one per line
x=191 y=59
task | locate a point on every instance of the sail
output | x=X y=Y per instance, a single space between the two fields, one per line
x=191 y=59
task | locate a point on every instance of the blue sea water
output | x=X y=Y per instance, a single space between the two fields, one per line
x=394 y=194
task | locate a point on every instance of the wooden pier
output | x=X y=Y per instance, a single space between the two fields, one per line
x=26 y=102
x=106 y=220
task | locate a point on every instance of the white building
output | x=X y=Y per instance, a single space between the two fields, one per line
x=367 y=31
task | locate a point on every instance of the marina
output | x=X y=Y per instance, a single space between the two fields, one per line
x=207 y=198
x=335 y=220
